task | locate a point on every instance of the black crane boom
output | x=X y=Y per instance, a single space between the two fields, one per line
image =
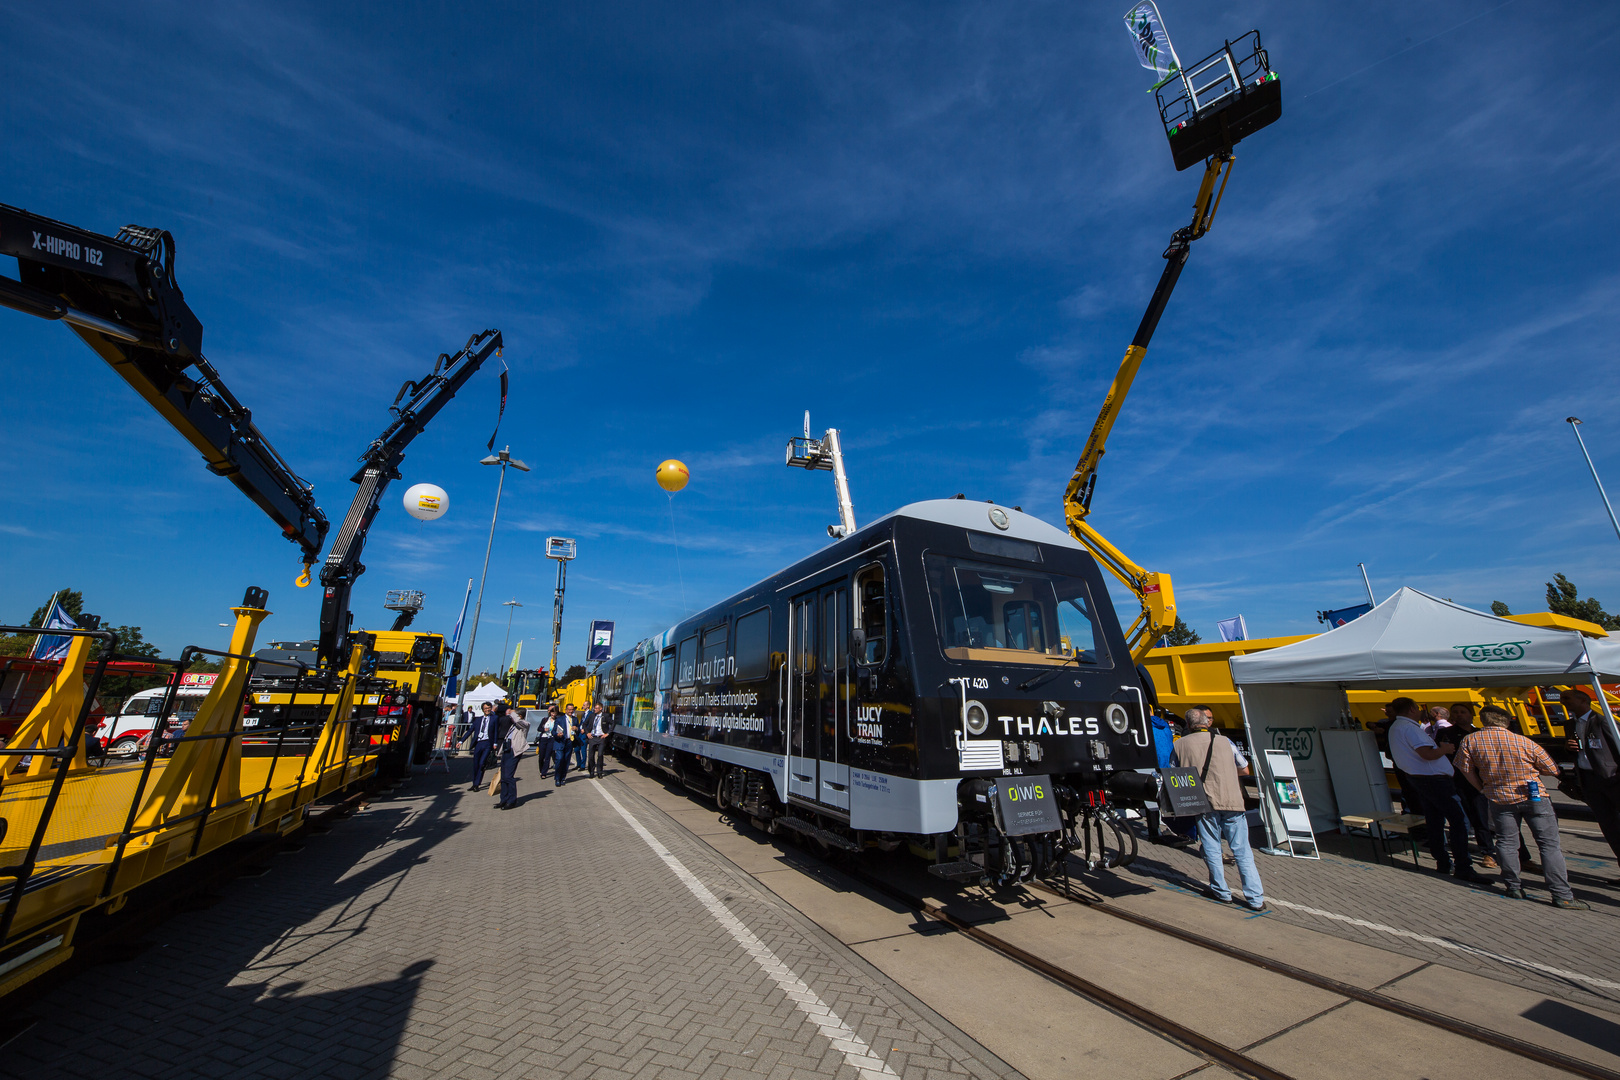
x=379 y=466
x=119 y=294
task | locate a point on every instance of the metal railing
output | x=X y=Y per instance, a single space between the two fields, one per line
x=64 y=752
x=319 y=774
x=1235 y=68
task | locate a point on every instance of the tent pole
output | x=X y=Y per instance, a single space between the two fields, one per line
x=1257 y=763
x=1603 y=704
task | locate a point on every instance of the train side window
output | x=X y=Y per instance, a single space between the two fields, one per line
x=712 y=667
x=1077 y=630
x=686 y=667
x=871 y=614
x=666 y=670
x=754 y=645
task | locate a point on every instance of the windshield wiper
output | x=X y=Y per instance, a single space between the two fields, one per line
x=1035 y=680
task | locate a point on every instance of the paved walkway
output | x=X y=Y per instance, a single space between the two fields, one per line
x=582 y=934
x=1570 y=954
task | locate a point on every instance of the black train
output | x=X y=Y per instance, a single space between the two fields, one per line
x=952 y=674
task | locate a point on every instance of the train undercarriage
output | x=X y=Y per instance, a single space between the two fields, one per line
x=1095 y=831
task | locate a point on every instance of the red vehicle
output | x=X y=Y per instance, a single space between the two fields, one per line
x=24 y=681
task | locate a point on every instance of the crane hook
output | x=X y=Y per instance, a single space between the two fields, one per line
x=302 y=580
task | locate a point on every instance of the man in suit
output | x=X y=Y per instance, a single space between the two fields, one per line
x=562 y=737
x=512 y=732
x=545 y=744
x=579 y=738
x=597 y=730
x=483 y=736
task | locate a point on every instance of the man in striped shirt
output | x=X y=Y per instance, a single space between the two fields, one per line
x=1508 y=768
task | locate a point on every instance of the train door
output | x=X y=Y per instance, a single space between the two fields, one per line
x=803 y=697
x=837 y=691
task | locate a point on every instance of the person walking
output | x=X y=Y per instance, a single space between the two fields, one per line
x=1508 y=768
x=483 y=737
x=579 y=738
x=1429 y=765
x=1220 y=763
x=597 y=730
x=1596 y=760
x=512 y=731
x=1475 y=805
x=1164 y=741
x=545 y=744
x=562 y=734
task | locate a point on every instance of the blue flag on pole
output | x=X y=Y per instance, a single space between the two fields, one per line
x=1339 y=617
x=455 y=639
x=53 y=646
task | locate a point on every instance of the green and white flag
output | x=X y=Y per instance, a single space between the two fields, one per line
x=1153 y=46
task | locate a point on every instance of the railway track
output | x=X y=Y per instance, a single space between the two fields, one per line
x=1192 y=1041
x=1395 y=1005
x=1158 y=1024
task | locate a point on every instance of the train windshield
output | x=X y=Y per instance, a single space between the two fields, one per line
x=1018 y=616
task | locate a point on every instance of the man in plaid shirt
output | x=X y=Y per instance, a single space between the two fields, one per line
x=1508 y=768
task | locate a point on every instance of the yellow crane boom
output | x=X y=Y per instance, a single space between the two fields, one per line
x=1152 y=588
x=1206 y=109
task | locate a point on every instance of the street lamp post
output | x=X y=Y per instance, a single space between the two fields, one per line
x=503 y=459
x=511 y=609
x=1575 y=426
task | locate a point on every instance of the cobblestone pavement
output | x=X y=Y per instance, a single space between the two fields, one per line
x=1346 y=884
x=433 y=936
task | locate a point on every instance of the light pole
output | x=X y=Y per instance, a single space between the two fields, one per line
x=826 y=453
x=562 y=549
x=1575 y=426
x=503 y=459
x=511 y=609
x=1364 y=580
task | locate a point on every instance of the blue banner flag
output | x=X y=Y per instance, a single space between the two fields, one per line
x=1338 y=618
x=455 y=640
x=601 y=647
x=53 y=646
x=1233 y=629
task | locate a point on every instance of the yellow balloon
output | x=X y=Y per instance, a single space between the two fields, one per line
x=673 y=475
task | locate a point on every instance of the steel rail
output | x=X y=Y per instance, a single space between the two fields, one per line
x=1519 y=1047
x=1162 y=1026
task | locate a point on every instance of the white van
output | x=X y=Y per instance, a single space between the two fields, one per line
x=140 y=713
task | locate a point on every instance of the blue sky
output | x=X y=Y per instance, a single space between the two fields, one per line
x=934 y=225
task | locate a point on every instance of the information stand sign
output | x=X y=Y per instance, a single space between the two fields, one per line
x=1283 y=801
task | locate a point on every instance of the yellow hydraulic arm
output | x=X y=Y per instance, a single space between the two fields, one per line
x=1153 y=589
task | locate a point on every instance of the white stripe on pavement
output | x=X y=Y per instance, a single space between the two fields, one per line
x=1444 y=943
x=1184 y=882
x=841 y=1035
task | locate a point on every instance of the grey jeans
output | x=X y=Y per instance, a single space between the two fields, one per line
x=1505 y=819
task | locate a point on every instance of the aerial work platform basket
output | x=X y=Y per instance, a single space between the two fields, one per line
x=1227 y=96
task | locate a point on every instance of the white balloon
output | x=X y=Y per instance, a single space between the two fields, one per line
x=425 y=502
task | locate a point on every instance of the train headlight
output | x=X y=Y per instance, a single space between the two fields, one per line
x=1118 y=719
x=976 y=717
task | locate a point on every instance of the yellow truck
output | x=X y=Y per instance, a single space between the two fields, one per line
x=1188 y=675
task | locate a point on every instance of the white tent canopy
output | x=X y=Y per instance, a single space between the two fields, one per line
x=487 y=692
x=1293 y=697
x=1414 y=641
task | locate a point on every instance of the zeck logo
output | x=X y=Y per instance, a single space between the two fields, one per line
x=1298 y=743
x=1493 y=653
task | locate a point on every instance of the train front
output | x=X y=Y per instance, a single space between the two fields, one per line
x=1025 y=692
